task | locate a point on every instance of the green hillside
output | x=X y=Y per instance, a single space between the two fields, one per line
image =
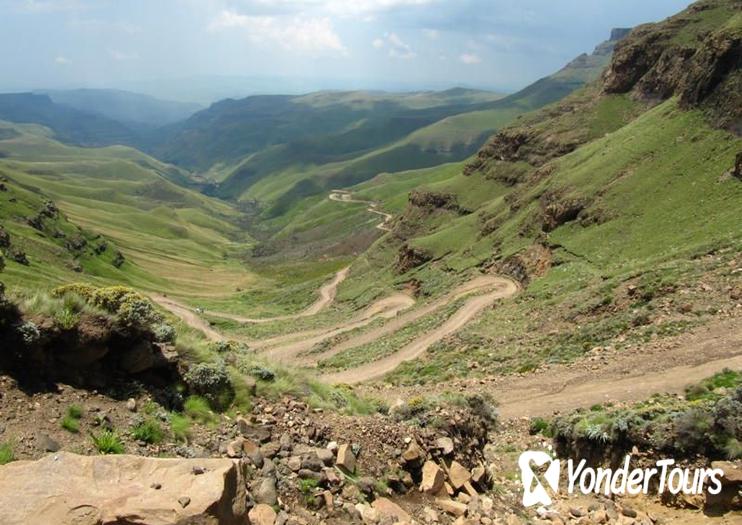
x=169 y=236
x=632 y=183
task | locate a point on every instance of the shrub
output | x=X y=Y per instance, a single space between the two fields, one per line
x=29 y=332
x=262 y=373
x=538 y=425
x=6 y=453
x=108 y=442
x=164 y=333
x=84 y=290
x=223 y=347
x=137 y=312
x=148 y=431
x=212 y=383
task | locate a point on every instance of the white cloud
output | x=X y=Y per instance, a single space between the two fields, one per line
x=397 y=47
x=432 y=34
x=61 y=60
x=470 y=58
x=348 y=7
x=120 y=56
x=299 y=33
x=50 y=6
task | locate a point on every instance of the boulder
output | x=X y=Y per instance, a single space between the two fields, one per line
x=388 y=509
x=346 y=460
x=455 y=508
x=458 y=474
x=262 y=514
x=67 y=488
x=445 y=445
x=732 y=472
x=433 y=478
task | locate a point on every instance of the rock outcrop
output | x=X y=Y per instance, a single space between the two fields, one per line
x=67 y=489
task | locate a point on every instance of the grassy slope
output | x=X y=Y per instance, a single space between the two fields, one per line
x=415 y=157
x=171 y=237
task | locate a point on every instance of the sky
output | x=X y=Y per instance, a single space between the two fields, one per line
x=195 y=48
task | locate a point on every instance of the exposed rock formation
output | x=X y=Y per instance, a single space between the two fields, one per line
x=99 y=490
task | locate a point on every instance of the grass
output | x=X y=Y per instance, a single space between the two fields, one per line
x=71 y=420
x=706 y=425
x=180 y=426
x=198 y=410
x=107 y=442
x=149 y=431
x=6 y=453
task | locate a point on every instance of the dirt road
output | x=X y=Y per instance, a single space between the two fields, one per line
x=326 y=297
x=632 y=375
x=188 y=316
x=345 y=196
x=470 y=309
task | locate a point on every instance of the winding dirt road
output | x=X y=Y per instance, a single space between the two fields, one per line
x=326 y=296
x=345 y=196
x=505 y=288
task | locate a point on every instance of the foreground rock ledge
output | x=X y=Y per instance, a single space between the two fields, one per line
x=68 y=489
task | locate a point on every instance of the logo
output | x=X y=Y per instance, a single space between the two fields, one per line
x=534 y=491
x=540 y=472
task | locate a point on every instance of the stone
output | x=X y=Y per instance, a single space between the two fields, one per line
x=445 y=445
x=264 y=491
x=234 y=448
x=68 y=488
x=312 y=462
x=325 y=456
x=577 y=512
x=432 y=478
x=388 y=509
x=294 y=463
x=458 y=475
x=414 y=455
x=262 y=514
x=346 y=460
x=455 y=508
x=732 y=472
x=600 y=517
x=131 y=404
x=184 y=501
x=479 y=475
x=48 y=444
x=628 y=512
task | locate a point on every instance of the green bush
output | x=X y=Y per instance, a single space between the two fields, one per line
x=108 y=442
x=6 y=453
x=211 y=382
x=164 y=333
x=150 y=431
x=29 y=332
x=538 y=425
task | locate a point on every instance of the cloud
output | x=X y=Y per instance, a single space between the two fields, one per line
x=470 y=58
x=432 y=34
x=397 y=47
x=50 y=6
x=61 y=60
x=363 y=8
x=120 y=56
x=298 y=33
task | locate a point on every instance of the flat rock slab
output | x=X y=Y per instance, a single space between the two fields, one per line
x=68 y=489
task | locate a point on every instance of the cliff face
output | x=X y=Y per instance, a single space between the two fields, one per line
x=695 y=55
